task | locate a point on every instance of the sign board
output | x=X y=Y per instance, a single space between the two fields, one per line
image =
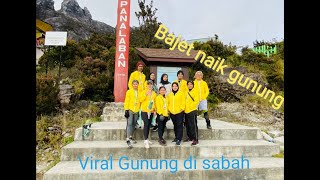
x=122 y=51
x=171 y=71
x=55 y=38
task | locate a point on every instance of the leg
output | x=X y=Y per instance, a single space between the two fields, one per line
x=155 y=128
x=196 y=126
x=191 y=121
x=206 y=116
x=144 y=116
x=173 y=118
x=150 y=120
x=130 y=125
x=160 y=128
x=179 y=124
x=204 y=107
x=187 y=126
x=135 y=119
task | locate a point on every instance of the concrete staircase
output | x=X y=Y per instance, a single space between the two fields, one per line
x=106 y=138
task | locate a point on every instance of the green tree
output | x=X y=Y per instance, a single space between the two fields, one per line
x=143 y=36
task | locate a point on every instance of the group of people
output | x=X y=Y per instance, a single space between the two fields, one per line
x=180 y=101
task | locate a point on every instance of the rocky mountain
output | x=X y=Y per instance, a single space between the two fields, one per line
x=72 y=18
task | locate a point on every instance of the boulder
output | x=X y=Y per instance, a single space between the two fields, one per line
x=266 y=137
x=232 y=92
x=279 y=140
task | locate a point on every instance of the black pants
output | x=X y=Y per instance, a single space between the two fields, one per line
x=177 y=120
x=192 y=125
x=147 y=123
x=161 y=125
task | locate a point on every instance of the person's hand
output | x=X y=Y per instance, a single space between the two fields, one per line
x=148 y=93
x=126 y=113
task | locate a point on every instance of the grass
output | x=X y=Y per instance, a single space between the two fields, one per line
x=50 y=142
x=280 y=155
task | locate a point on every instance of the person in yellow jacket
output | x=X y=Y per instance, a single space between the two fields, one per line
x=181 y=82
x=132 y=107
x=138 y=75
x=192 y=102
x=162 y=113
x=176 y=106
x=202 y=88
x=147 y=99
x=182 y=85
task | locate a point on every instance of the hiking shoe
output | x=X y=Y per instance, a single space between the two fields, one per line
x=155 y=128
x=195 y=142
x=162 y=142
x=132 y=140
x=129 y=144
x=209 y=126
x=146 y=144
x=178 y=142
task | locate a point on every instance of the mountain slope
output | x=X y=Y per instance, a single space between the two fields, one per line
x=72 y=18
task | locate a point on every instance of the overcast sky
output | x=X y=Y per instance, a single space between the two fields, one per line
x=237 y=21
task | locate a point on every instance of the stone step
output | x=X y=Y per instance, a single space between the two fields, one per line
x=108 y=110
x=205 y=148
x=114 y=104
x=113 y=118
x=260 y=168
x=107 y=131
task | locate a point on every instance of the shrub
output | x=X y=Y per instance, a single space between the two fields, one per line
x=47 y=92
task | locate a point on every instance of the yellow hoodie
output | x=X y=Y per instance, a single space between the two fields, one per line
x=202 y=88
x=176 y=103
x=192 y=105
x=136 y=75
x=162 y=105
x=182 y=85
x=145 y=100
x=132 y=101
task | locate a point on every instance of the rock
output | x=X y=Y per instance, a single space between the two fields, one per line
x=51 y=128
x=72 y=18
x=279 y=140
x=65 y=94
x=66 y=135
x=274 y=133
x=45 y=9
x=83 y=103
x=281 y=133
x=47 y=150
x=243 y=112
x=259 y=135
x=281 y=148
x=266 y=137
x=232 y=92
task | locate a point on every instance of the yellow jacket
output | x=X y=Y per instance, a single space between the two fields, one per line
x=132 y=101
x=162 y=105
x=182 y=85
x=145 y=100
x=136 y=75
x=202 y=88
x=176 y=103
x=192 y=105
